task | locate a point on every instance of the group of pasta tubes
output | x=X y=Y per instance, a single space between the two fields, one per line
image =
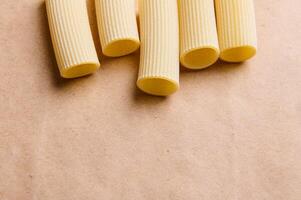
x=194 y=33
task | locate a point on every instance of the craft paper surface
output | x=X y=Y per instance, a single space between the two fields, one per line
x=232 y=132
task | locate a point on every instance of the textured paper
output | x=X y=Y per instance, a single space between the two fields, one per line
x=71 y=36
x=199 y=42
x=117 y=26
x=236 y=29
x=231 y=133
x=159 y=61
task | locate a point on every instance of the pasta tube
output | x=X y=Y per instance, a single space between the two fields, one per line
x=236 y=29
x=159 y=62
x=71 y=37
x=198 y=41
x=117 y=26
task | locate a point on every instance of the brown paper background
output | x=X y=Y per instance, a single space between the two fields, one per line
x=231 y=132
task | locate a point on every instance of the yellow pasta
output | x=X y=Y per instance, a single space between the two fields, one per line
x=117 y=26
x=71 y=37
x=159 y=62
x=198 y=41
x=236 y=29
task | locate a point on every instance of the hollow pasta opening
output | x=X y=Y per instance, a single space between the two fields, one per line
x=121 y=47
x=158 y=86
x=200 y=58
x=79 y=70
x=238 y=54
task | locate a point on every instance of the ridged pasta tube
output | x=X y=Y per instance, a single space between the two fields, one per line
x=117 y=26
x=236 y=29
x=159 y=62
x=71 y=37
x=198 y=34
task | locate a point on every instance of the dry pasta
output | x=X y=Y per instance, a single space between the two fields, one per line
x=117 y=26
x=236 y=29
x=71 y=37
x=198 y=41
x=159 y=61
